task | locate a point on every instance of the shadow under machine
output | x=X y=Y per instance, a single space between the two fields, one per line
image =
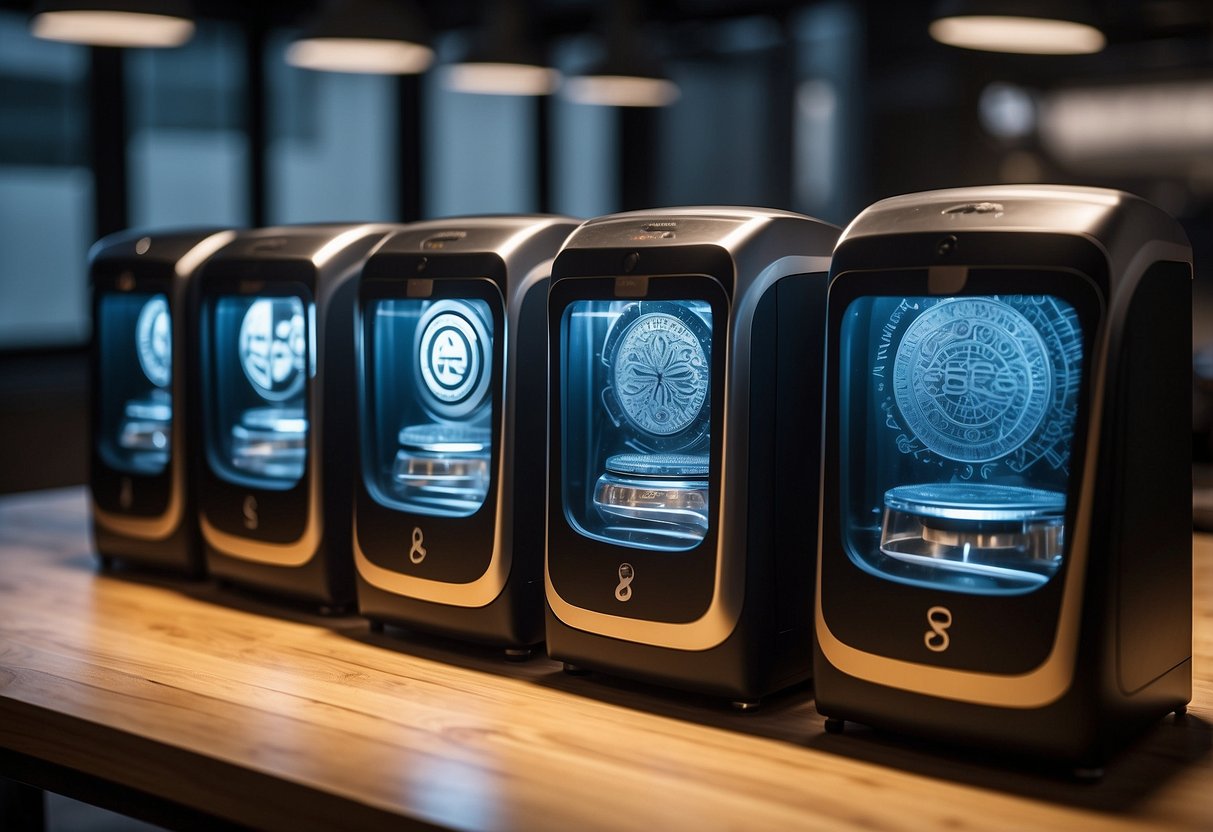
x=676 y=548
x=276 y=381
x=450 y=501
x=1005 y=549
x=141 y=479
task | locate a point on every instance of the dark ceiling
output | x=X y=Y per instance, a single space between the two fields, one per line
x=1122 y=20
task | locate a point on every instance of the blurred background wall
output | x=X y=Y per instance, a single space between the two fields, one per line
x=818 y=107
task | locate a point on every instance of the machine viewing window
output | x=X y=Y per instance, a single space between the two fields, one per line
x=957 y=420
x=431 y=424
x=135 y=338
x=259 y=364
x=636 y=408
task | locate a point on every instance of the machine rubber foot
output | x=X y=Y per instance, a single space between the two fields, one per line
x=835 y=726
x=375 y=625
x=518 y=654
x=746 y=705
x=1181 y=711
x=574 y=670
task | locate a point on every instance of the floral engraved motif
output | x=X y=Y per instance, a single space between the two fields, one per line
x=661 y=374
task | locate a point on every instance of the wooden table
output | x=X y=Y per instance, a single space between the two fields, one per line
x=186 y=704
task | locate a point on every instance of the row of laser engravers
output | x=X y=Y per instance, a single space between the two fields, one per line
x=937 y=462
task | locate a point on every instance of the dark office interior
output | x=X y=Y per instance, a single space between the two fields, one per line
x=820 y=108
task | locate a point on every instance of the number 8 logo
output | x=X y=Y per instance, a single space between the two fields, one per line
x=939 y=619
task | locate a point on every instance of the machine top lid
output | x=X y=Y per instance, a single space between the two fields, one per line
x=1118 y=222
x=161 y=247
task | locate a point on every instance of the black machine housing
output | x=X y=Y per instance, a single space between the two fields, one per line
x=141 y=477
x=1068 y=657
x=451 y=541
x=707 y=324
x=276 y=390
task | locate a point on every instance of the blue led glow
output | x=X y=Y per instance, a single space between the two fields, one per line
x=135 y=329
x=958 y=418
x=637 y=413
x=273 y=347
x=154 y=341
x=429 y=423
x=260 y=367
x=975 y=502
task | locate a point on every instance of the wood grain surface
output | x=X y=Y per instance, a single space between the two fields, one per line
x=269 y=716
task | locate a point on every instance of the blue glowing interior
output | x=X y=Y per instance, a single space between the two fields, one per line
x=135 y=339
x=430 y=395
x=636 y=413
x=259 y=365
x=957 y=420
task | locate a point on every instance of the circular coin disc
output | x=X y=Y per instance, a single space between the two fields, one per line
x=660 y=373
x=454 y=358
x=272 y=344
x=154 y=341
x=972 y=378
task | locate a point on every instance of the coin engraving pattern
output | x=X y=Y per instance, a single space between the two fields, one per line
x=661 y=374
x=972 y=379
x=272 y=344
x=452 y=357
x=153 y=338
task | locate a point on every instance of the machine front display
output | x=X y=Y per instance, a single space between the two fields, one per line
x=637 y=427
x=260 y=363
x=957 y=420
x=431 y=419
x=134 y=336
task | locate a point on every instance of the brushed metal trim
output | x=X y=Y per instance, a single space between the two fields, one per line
x=507 y=237
x=163 y=525
x=305 y=547
x=728 y=590
x=295 y=553
x=1052 y=678
x=484 y=589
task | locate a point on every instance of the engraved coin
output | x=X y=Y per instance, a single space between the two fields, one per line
x=453 y=357
x=272 y=344
x=660 y=374
x=972 y=378
x=154 y=341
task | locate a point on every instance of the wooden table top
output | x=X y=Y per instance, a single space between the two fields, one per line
x=275 y=718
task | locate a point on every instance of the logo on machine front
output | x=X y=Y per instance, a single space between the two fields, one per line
x=623 y=592
x=939 y=619
x=417 y=551
x=251 y=520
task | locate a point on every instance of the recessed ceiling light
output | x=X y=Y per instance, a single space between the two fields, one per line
x=504 y=58
x=122 y=23
x=368 y=36
x=621 y=90
x=492 y=78
x=1024 y=35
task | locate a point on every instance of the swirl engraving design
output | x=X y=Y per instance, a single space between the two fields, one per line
x=972 y=379
x=660 y=374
